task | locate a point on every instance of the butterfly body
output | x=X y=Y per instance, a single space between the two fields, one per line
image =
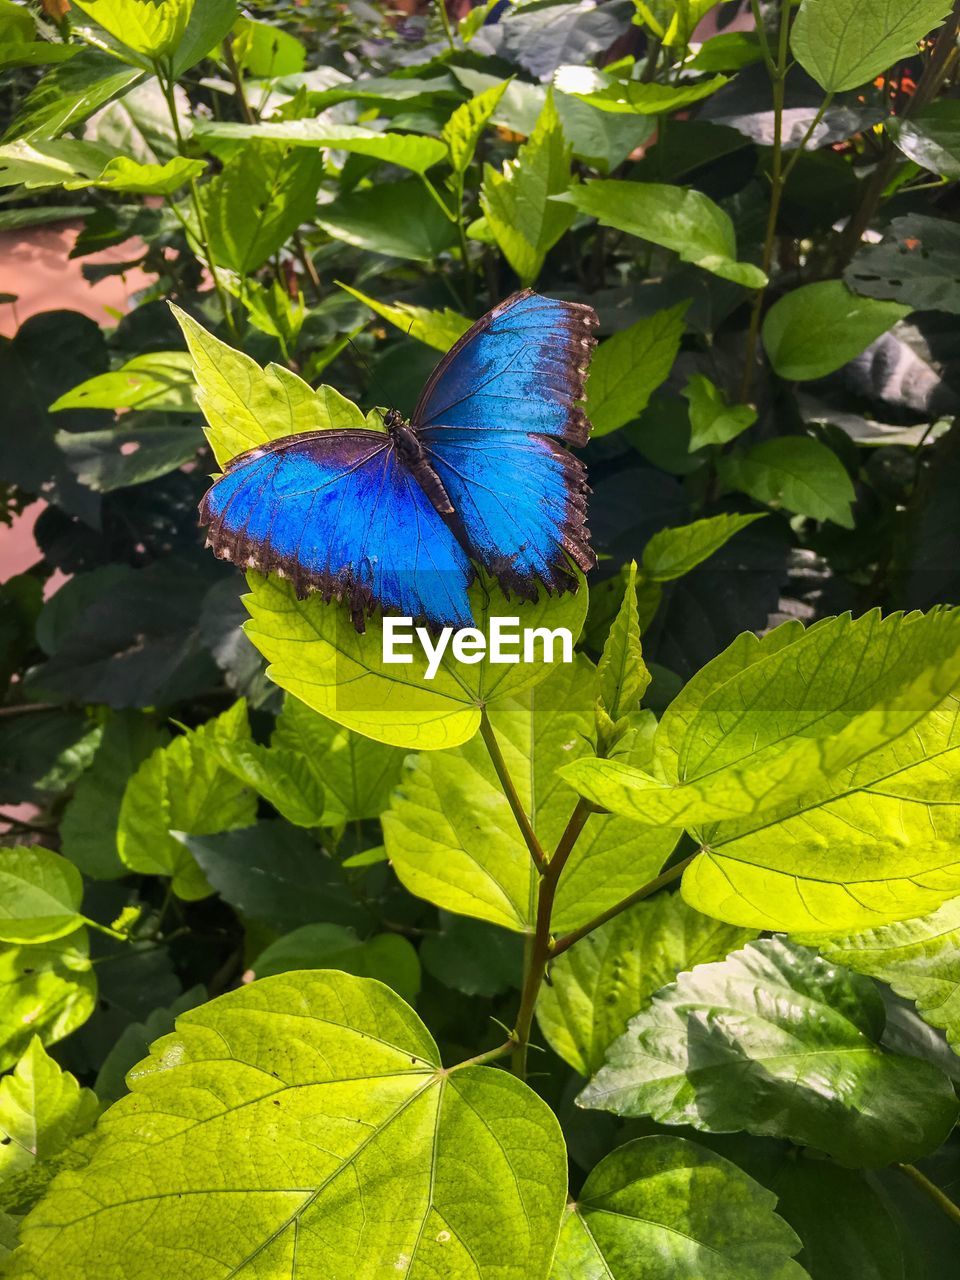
x=394 y=519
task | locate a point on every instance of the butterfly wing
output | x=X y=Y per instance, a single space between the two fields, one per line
x=490 y=419
x=337 y=512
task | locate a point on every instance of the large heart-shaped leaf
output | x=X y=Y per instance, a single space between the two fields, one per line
x=777 y=1041
x=303 y=1126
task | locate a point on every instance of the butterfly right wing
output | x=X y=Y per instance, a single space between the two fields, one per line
x=337 y=512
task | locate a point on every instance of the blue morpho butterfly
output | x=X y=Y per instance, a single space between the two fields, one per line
x=392 y=520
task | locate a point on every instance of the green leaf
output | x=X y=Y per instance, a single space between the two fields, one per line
x=116 y=459
x=245 y=405
x=473 y=957
x=465 y=127
x=919 y=958
x=124 y=174
x=408 y=225
x=286 y=779
x=158 y=380
x=685 y=1211
x=181 y=788
x=712 y=419
x=387 y=957
x=930 y=137
x=622 y=675
x=144 y=26
x=70 y=93
x=47 y=989
x=914 y=265
x=728 y=51
x=784 y=721
x=279 y=876
x=16 y=23
x=875 y=845
x=604 y=979
x=795 y=472
x=677 y=218
x=516 y=201
x=266 y=51
x=628 y=368
x=357 y=773
x=209 y=24
x=820 y=327
x=780 y=1043
x=406 y=150
x=610 y=93
x=42 y=1110
x=38 y=54
x=36 y=164
x=40 y=895
x=439 y=329
x=261 y=196
x=316 y=654
x=453 y=839
x=673 y=552
x=351 y=1148
x=846 y=43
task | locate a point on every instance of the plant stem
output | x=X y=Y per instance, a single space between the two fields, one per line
x=535 y=967
x=491 y=1055
x=309 y=266
x=105 y=929
x=778 y=73
x=540 y=860
x=665 y=878
x=448 y=30
x=228 y=56
x=930 y=1189
x=168 y=86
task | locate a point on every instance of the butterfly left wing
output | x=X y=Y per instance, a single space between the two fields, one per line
x=490 y=419
x=337 y=512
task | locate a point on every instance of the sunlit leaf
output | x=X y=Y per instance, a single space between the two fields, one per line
x=846 y=43
x=813 y=330
x=40 y=895
x=628 y=367
x=328 y=1139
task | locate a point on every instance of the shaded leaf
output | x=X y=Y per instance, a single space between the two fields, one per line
x=930 y=137
x=465 y=127
x=387 y=957
x=473 y=957
x=276 y=874
x=685 y=1211
x=915 y=267
x=622 y=675
x=795 y=472
x=154 y=380
x=818 y=328
x=70 y=93
x=776 y=1041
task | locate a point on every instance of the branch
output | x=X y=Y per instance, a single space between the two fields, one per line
x=645 y=891
x=540 y=859
x=939 y=1198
